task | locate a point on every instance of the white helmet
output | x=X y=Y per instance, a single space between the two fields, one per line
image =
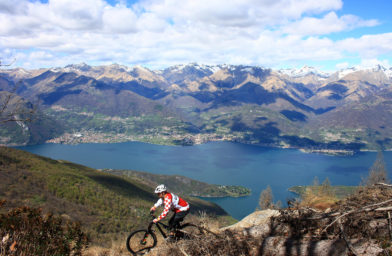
x=161 y=188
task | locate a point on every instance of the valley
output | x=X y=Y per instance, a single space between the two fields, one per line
x=348 y=110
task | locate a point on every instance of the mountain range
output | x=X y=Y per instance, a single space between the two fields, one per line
x=349 y=109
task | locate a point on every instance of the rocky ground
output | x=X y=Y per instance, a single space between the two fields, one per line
x=357 y=225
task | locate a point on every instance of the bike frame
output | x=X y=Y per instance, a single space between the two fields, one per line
x=162 y=226
x=158 y=224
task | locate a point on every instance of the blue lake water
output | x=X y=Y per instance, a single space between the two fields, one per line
x=222 y=163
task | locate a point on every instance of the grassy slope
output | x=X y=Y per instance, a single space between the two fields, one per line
x=102 y=202
x=183 y=185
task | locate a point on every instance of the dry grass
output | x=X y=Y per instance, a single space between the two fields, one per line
x=317 y=199
x=228 y=243
x=319 y=202
x=117 y=248
x=208 y=243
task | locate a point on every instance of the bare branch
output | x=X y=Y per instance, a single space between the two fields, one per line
x=183 y=251
x=363 y=209
x=383 y=184
x=349 y=245
x=383 y=209
x=389 y=225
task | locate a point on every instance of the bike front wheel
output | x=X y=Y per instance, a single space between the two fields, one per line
x=141 y=241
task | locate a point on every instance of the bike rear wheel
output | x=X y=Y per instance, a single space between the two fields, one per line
x=141 y=241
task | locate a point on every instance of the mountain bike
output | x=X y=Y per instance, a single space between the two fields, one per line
x=142 y=241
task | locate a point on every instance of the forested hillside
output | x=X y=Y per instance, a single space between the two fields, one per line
x=103 y=203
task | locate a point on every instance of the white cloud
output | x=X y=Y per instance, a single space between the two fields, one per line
x=369 y=63
x=342 y=65
x=73 y=14
x=330 y=23
x=367 y=46
x=10 y=7
x=119 y=19
x=237 y=13
x=165 y=32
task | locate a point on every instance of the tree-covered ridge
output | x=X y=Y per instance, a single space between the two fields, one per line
x=102 y=202
x=185 y=186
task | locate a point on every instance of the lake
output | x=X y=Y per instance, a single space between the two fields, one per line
x=223 y=163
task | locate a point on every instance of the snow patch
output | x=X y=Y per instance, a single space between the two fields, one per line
x=304 y=71
x=376 y=68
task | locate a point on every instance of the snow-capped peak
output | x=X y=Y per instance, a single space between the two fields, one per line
x=388 y=73
x=73 y=68
x=196 y=66
x=81 y=66
x=304 y=71
x=376 y=68
x=344 y=72
x=379 y=67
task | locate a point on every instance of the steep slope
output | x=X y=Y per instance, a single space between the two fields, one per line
x=365 y=121
x=102 y=202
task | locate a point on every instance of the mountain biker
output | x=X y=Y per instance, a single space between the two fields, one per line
x=171 y=202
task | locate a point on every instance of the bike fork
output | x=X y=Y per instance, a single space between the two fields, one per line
x=144 y=240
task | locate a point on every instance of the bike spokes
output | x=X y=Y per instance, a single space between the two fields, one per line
x=140 y=242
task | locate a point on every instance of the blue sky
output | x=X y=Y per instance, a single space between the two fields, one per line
x=326 y=34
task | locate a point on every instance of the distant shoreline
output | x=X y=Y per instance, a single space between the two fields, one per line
x=99 y=139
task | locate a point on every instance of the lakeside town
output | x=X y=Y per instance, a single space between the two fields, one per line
x=175 y=139
x=156 y=138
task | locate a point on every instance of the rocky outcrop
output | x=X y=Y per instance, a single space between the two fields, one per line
x=256 y=224
x=273 y=238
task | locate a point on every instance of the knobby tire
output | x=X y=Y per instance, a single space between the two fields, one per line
x=135 y=244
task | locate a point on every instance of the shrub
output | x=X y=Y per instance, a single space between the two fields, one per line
x=319 y=196
x=266 y=200
x=25 y=231
x=378 y=172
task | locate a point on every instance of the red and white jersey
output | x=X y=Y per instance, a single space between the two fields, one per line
x=171 y=202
